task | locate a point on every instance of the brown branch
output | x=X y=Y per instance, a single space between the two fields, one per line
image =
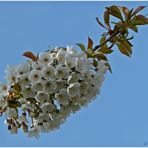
x=107 y=40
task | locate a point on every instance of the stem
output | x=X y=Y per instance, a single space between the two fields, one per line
x=107 y=40
x=111 y=45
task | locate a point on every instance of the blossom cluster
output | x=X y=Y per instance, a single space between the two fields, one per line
x=40 y=95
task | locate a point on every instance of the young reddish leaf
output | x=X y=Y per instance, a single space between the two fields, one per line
x=137 y=10
x=98 y=21
x=140 y=20
x=81 y=46
x=125 y=11
x=107 y=19
x=115 y=11
x=90 y=43
x=30 y=55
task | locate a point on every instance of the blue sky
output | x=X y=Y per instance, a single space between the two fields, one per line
x=119 y=116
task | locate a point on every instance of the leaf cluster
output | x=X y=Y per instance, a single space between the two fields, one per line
x=128 y=19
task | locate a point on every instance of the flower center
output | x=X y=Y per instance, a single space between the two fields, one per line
x=46 y=60
x=48 y=73
x=36 y=76
x=60 y=72
x=13 y=78
x=4 y=88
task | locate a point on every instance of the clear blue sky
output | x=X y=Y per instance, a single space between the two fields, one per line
x=119 y=116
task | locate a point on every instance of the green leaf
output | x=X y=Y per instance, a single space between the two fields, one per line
x=107 y=19
x=130 y=38
x=90 y=50
x=100 y=56
x=124 y=41
x=109 y=67
x=137 y=10
x=125 y=11
x=134 y=28
x=81 y=46
x=102 y=40
x=140 y=20
x=105 y=50
x=90 y=43
x=129 y=15
x=95 y=63
x=123 y=49
x=115 y=11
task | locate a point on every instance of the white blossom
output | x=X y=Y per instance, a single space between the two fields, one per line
x=102 y=67
x=42 y=97
x=23 y=68
x=14 y=130
x=47 y=107
x=3 y=103
x=74 y=89
x=70 y=61
x=71 y=50
x=61 y=55
x=44 y=58
x=11 y=74
x=48 y=72
x=35 y=76
x=84 y=87
x=27 y=92
x=60 y=84
x=61 y=72
x=3 y=89
x=36 y=65
x=49 y=87
x=22 y=119
x=76 y=99
x=73 y=78
x=82 y=63
x=11 y=112
x=24 y=80
x=34 y=132
x=27 y=106
x=43 y=117
x=37 y=87
x=45 y=127
x=62 y=96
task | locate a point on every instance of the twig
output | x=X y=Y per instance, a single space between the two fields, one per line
x=98 y=46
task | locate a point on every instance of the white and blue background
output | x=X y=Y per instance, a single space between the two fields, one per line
x=119 y=116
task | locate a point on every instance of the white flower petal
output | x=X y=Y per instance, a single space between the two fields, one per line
x=42 y=97
x=49 y=87
x=62 y=96
x=74 y=89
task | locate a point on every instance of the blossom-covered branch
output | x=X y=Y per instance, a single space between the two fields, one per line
x=43 y=91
